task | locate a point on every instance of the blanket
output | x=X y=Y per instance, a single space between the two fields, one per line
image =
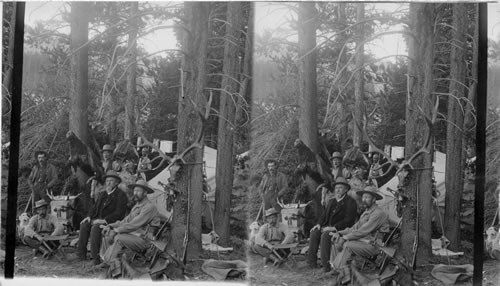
x=223 y=269
x=451 y=274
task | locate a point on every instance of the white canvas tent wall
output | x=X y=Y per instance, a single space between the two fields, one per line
x=388 y=203
x=159 y=198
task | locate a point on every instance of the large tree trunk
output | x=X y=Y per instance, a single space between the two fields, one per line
x=189 y=126
x=131 y=73
x=359 y=85
x=454 y=134
x=227 y=110
x=469 y=120
x=421 y=52
x=308 y=123
x=78 y=116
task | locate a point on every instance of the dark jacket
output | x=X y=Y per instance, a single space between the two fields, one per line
x=340 y=214
x=109 y=207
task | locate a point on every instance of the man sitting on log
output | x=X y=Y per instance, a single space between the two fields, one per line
x=340 y=213
x=359 y=238
x=110 y=206
x=128 y=232
x=270 y=235
x=39 y=225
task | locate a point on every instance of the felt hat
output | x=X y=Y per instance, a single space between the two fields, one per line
x=267 y=161
x=142 y=184
x=372 y=190
x=342 y=181
x=271 y=211
x=337 y=155
x=113 y=174
x=107 y=147
x=40 y=203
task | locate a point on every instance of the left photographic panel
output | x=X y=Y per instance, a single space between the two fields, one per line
x=119 y=139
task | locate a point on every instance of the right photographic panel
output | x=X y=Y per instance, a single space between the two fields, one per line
x=363 y=144
x=491 y=273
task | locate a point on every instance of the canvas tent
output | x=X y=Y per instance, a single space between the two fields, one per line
x=159 y=197
x=388 y=203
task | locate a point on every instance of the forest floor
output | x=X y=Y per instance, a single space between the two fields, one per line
x=300 y=274
x=28 y=266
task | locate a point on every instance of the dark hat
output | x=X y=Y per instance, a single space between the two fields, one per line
x=271 y=211
x=113 y=174
x=107 y=147
x=337 y=155
x=142 y=184
x=41 y=152
x=40 y=203
x=267 y=161
x=372 y=190
x=342 y=181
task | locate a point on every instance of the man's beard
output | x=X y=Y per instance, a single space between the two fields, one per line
x=137 y=199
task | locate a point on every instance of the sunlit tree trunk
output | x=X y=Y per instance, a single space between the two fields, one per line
x=454 y=132
x=195 y=44
x=9 y=63
x=421 y=52
x=131 y=73
x=308 y=123
x=227 y=110
x=359 y=78
x=78 y=116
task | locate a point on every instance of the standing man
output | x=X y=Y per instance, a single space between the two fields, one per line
x=42 y=178
x=39 y=225
x=273 y=185
x=376 y=171
x=271 y=234
x=341 y=212
x=127 y=233
x=144 y=163
x=337 y=169
x=361 y=237
x=107 y=160
x=110 y=206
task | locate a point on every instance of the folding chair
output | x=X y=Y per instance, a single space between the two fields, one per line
x=155 y=231
x=54 y=245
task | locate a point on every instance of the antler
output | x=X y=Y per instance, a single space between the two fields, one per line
x=406 y=163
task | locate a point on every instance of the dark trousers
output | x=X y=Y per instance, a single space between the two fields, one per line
x=94 y=232
x=316 y=239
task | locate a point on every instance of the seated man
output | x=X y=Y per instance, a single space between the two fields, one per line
x=110 y=206
x=271 y=234
x=340 y=213
x=128 y=232
x=39 y=225
x=359 y=238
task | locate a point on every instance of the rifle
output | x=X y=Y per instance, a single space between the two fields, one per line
x=186 y=234
x=413 y=263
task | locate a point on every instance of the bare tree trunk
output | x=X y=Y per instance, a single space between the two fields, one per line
x=359 y=77
x=469 y=121
x=131 y=73
x=189 y=126
x=78 y=116
x=308 y=123
x=421 y=52
x=454 y=134
x=227 y=111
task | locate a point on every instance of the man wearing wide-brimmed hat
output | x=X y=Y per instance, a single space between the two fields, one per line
x=341 y=212
x=359 y=238
x=270 y=234
x=42 y=178
x=39 y=225
x=274 y=184
x=110 y=206
x=127 y=233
